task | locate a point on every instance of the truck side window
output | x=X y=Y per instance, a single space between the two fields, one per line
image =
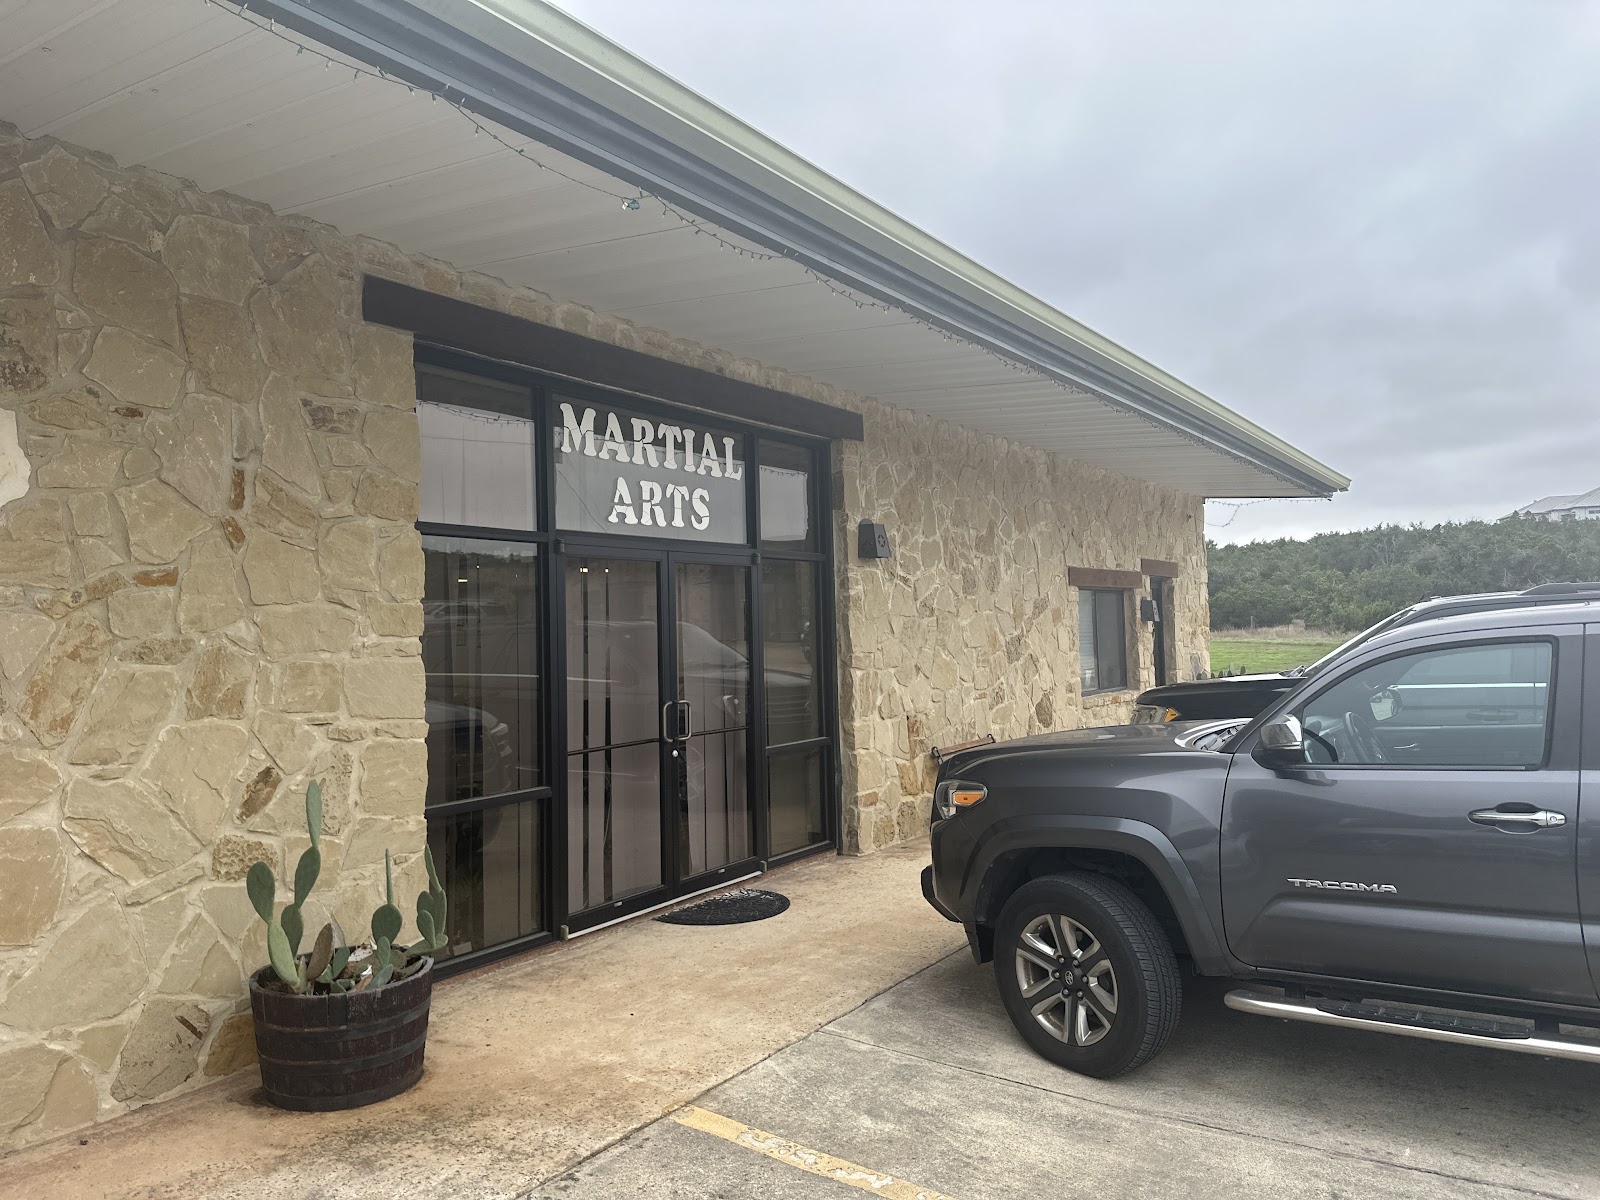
x=1472 y=706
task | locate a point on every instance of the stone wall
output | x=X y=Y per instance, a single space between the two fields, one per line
x=970 y=628
x=210 y=586
x=210 y=593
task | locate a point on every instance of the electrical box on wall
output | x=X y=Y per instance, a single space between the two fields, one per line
x=1147 y=610
x=873 y=540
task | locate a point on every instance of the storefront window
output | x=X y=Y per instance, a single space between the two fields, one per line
x=795 y=791
x=1102 y=640
x=477 y=451
x=620 y=472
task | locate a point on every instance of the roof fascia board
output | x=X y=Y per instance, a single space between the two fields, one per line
x=566 y=86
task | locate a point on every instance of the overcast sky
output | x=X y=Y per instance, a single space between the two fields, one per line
x=1373 y=228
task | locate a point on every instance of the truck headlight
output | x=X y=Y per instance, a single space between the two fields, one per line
x=951 y=796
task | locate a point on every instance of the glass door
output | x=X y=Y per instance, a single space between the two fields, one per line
x=615 y=741
x=711 y=735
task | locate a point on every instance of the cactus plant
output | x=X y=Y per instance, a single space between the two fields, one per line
x=332 y=965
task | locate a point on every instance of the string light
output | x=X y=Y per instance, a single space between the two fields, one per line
x=863 y=303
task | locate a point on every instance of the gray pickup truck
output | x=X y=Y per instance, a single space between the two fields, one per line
x=1407 y=842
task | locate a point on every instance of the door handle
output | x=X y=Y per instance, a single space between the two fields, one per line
x=1528 y=819
x=684 y=717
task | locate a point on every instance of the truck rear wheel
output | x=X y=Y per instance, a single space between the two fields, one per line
x=1086 y=974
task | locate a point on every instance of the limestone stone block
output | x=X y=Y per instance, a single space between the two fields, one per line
x=127 y=289
x=289 y=631
x=210 y=257
x=371 y=836
x=400 y=566
x=116 y=218
x=232 y=857
x=208 y=589
x=298 y=323
x=27 y=344
x=222 y=349
x=75 y=410
x=126 y=710
x=160 y=521
x=221 y=684
x=26 y=1073
x=348 y=556
x=194 y=447
x=259 y=792
x=310 y=687
x=202 y=964
x=163 y=1049
x=142 y=612
x=290 y=742
x=27 y=256
x=157 y=651
x=16 y=471
x=326 y=417
x=394 y=778
x=39 y=561
x=278 y=572
x=384 y=687
x=278 y=509
x=91 y=515
x=395 y=618
x=66 y=188
x=194 y=767
x=91 y=972
x=285 y=445
x=393 y=438
x=125 y=829
x=100 y=1044
x=135 y=371
x=386 y=496
x=335 y=771
x=65 y=677
x=234 y=1046
x=384 y=366
x=27 y=777
x=34 y=869
x=72 y=1101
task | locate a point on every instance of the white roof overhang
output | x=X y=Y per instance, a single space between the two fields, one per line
x=734 y=242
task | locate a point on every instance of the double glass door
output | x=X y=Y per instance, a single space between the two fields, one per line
x=658 y=726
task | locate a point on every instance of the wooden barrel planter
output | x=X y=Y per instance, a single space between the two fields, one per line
x=324 y=1053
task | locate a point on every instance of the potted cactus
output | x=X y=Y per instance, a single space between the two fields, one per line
x=340 y=1026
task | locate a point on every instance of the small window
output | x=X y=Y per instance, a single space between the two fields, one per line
x=788 y=519
x=1466 y=706
x=1102 y=640
x=477 y=451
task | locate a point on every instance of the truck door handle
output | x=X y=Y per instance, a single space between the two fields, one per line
x=1525 y=819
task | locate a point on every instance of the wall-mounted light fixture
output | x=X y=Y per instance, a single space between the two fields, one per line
x=872 y=540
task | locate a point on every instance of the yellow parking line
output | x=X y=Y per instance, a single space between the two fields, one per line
x=813 y=1161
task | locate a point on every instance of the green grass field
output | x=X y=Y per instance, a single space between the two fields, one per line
x=1243 y=655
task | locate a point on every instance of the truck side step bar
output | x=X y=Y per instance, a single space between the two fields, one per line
x=1463 y=1030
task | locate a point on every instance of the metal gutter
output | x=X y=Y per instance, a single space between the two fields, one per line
x=532 y=69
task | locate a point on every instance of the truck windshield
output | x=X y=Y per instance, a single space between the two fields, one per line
x=1365 y=635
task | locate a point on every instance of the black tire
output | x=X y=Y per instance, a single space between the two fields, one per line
x=1126 y=958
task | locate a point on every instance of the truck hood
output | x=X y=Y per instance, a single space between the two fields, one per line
x=1107 y=742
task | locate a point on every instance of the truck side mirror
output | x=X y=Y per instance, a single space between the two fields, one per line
x=1280 y=743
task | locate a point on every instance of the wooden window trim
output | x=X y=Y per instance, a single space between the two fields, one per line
x=1099 y=577
x=1160 y=568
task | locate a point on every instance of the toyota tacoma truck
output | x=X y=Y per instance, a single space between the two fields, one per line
x=1406 y=842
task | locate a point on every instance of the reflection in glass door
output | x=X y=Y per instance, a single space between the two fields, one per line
x=712 y=652
x=614 y=730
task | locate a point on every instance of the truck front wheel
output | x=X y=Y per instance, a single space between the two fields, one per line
x=1086 y=974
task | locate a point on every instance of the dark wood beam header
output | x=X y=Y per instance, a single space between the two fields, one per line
x=1160 y=567
x=445 y=321
x=1096 y=577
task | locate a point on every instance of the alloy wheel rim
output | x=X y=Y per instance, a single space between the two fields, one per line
x=1066 y=980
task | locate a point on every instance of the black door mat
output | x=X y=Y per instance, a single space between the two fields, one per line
x=729 y=908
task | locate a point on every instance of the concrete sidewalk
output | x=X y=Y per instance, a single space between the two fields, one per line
x=539 y=1062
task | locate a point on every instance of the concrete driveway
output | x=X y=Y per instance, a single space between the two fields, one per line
x=925 y=1092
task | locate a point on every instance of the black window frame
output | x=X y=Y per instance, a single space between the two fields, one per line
x=1094 y=594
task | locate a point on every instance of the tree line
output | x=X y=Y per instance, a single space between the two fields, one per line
x=1347 y=581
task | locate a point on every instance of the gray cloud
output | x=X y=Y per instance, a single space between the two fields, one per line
x=1373 y=228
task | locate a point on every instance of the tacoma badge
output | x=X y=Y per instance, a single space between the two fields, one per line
x=1335 y=885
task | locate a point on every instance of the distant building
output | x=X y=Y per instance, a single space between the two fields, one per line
x=1565 y=508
